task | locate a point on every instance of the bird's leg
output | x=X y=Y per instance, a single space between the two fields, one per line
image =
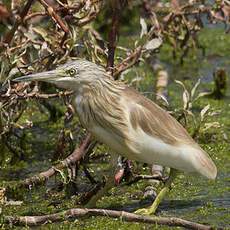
x=108 y=184
x=152 y=209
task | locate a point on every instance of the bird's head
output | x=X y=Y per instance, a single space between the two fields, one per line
x=72 y=75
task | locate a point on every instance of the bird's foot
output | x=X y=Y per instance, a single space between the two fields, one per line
x=145 y=211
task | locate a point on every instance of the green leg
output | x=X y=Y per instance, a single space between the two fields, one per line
x=152 y=209
x=108 y=185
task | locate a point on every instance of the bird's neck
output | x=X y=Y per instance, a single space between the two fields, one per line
x=101 y=88
x=92 y=99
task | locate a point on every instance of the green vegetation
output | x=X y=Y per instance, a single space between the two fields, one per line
x=192 y=198
x=42 y=137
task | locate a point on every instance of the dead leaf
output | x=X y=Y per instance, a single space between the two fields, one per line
x=186 y=99
x=204 y=111
x=209 y=125
x=153 y=44
x=143 y=27
x=193 y=91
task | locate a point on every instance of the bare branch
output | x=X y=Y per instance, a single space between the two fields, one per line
x=56 y=18
x=113 y=33
x=23 y=96
x=77 y=154
x=9 y=36
x=122 y=215
x=131 y=60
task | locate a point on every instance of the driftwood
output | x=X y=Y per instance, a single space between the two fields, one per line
x=122 y=215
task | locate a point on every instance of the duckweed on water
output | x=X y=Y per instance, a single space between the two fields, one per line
x=193 y=198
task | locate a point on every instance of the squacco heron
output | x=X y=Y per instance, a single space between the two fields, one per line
x=129 y=123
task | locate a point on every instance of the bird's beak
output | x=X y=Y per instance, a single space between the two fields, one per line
x=49 y=76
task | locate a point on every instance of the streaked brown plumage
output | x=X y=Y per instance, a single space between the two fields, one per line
x=129 y=123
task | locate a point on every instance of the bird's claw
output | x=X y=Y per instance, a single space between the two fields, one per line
x=144 y=211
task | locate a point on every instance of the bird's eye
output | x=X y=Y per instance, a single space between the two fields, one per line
x=72 y=72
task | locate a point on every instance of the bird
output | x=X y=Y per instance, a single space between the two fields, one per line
x=130 y=124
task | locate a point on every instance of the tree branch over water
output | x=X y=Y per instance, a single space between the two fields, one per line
x=73 y=158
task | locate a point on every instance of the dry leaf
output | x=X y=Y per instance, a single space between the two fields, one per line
x=143 y=27
x=153 y=44
x=204 y=111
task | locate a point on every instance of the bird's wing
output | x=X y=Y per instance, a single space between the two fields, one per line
x=179 y=150
x=155 y=121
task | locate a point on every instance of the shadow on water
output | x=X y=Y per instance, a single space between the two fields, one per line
x=178 y=206
x=166 y=205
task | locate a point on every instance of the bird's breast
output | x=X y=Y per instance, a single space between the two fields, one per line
x=107 y=126
x=82 y=110
x=115 y=142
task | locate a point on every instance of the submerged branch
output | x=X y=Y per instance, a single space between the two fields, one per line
x=122 y=215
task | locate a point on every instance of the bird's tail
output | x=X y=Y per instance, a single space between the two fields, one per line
x=204 y=164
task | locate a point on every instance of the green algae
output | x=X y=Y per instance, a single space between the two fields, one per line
x=192 y=197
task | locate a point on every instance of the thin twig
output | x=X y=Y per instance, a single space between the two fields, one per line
x=129 y=61
x=113 y=33
x=92 y=14
x=56 y=18
x=22 y=96
x=9 y=36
